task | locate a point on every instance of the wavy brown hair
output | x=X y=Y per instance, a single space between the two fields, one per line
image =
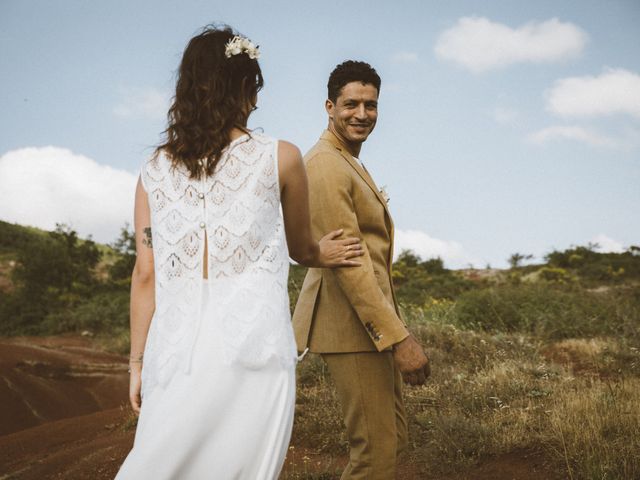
x=214 y=94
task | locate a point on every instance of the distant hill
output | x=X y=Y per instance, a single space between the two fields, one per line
x=13 y=235
x=54 y=282
x=14 y=238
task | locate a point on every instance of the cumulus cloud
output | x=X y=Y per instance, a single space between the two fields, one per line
x=405 y=57
x=613 y=91
x=574 y=133
x=425 y=246
x=142 y=102
x=607 y=244
x=478 y=44
x=44 y=186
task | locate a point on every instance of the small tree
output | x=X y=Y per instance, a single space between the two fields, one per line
x=125 y=245
x=516 y=259
x=53 y=273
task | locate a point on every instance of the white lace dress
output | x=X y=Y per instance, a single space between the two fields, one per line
x=218 y=380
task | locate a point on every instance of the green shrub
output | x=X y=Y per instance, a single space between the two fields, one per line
x=549 y=311
x=556 y=274
x=416 y=281
x=105 y=312
x=124 y=249
x=595 y=267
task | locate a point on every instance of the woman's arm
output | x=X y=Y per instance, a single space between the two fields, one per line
x=294 y=194
x=142 y=293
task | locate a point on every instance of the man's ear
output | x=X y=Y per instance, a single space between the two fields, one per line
x=329 y=106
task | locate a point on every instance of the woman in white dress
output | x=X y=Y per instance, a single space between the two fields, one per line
x=212 y=350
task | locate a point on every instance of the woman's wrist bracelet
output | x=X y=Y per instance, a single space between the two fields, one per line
x=134 y=359
x=131 y=363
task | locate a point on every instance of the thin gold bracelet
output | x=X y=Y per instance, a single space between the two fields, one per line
x=134 y=359
x=129 y=369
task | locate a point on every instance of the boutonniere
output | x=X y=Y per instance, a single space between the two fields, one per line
x=385 y=195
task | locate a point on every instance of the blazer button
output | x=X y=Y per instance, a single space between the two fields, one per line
x=202 y=225
x=201 y=196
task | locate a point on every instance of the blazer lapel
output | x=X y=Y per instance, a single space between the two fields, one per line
x=364 y=174
x=360 y=170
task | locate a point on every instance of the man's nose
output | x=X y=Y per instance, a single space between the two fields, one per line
x=361 y=112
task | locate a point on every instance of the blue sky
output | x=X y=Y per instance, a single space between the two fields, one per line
x=505 y=126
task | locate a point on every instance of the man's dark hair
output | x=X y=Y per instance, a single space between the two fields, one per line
x=351 y=71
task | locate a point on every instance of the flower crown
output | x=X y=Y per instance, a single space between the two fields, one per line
x=238 y=45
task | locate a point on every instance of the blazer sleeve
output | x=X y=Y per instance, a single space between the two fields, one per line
x=331 y=208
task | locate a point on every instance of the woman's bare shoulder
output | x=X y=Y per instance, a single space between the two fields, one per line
x=288 y=151
x=289 y=156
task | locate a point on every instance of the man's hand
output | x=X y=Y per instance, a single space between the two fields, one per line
x=412 y=361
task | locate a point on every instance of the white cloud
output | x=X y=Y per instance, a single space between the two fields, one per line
x=607 y=244
x=425 y=246
x=614 y=91
x=572 y=132
x=478 y=44
x=142 y=102
x=44 y=186
x=405 y=57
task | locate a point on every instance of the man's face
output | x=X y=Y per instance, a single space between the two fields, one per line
x=354 y=114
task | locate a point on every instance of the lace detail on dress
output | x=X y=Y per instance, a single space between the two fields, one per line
x=238 y=210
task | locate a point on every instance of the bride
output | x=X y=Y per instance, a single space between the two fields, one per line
x=219 y=210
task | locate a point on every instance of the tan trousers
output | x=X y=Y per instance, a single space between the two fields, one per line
x=369 y=388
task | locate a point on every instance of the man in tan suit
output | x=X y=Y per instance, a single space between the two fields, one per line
x=350 y=315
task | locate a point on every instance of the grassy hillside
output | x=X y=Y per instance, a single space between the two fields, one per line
x=538 y=358
x=542 y=360
x=55 y=282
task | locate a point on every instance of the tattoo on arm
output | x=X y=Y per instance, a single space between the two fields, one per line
x=147 y=237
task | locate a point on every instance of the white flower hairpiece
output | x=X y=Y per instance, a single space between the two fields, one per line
x=238 y=45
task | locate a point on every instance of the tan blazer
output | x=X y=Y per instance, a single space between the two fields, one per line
x=352 y=309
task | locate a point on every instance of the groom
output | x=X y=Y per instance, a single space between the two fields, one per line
x=350 y=315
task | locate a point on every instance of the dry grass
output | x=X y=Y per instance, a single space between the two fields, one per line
x=595 y=428
x=577 y=400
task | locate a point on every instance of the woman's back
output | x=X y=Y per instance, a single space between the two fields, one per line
x=234 y=213
x=227 y=227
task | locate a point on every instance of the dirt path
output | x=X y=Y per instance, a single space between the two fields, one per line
x=49 y=378
x=84 y=447
x=64 y=415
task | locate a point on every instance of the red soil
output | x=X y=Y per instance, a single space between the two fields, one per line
x=45 y=379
